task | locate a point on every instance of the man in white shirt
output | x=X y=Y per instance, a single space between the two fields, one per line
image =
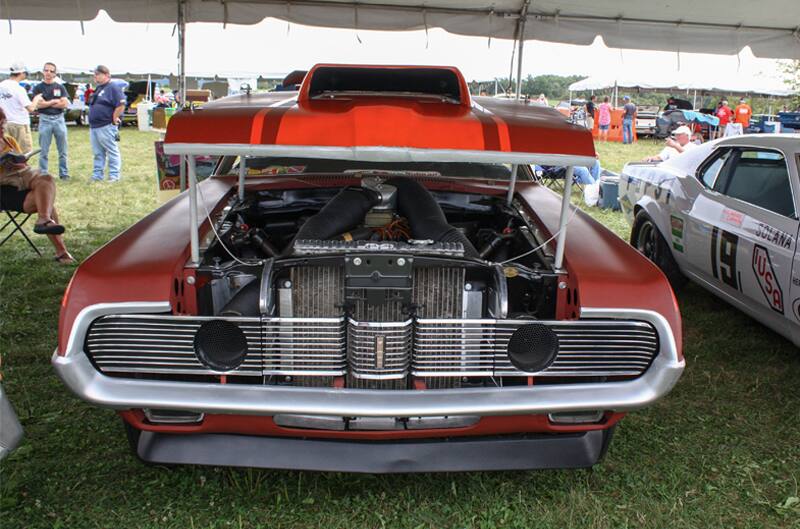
x=680 y=142
x=17 y=106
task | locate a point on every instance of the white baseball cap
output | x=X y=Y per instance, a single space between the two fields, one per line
x=18 y=67
x=683 y=129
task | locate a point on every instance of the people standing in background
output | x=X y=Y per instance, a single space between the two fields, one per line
x=724 y=113
x=105 y=111
x=628 y=120
x=604 y=118
x=51 y=99
x=17 y=106
x=87 y=94
x=590 y=108
x=542 y=100
x=742 y=114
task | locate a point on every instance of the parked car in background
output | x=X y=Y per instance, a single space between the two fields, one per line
x=646 y=116
x=374 y=283
x=135 y=92
x=724 y=215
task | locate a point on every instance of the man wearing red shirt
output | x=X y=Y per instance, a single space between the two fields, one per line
x=724 y=113
x=743 y=113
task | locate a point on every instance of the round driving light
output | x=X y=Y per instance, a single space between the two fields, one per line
x=220 y=345
x=533 y=347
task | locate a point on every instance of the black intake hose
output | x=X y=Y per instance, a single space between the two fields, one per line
x=425 y=217
x=344 y=212
x=245 y=302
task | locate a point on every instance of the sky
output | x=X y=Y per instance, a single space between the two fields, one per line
x=275 y=47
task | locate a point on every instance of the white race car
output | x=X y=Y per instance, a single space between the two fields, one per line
x=725 y=215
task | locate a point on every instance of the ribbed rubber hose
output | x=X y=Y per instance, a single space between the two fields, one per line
x=344 y=212
x=425 y=217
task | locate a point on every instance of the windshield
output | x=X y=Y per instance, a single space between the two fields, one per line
x=269 y=166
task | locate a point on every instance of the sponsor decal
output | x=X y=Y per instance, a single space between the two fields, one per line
x=765 y=274
x=796 y=308
x=676 y=226
x=274 y=170
x=733 y=217
x=774 y=235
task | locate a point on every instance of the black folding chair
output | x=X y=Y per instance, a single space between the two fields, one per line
x=553 y=178
x=16 y=221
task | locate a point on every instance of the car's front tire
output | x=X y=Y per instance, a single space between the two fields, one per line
x=646 y=238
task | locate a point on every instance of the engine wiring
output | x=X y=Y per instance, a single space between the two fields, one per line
x=545 y=243
x=396 y=230
x=219 y=239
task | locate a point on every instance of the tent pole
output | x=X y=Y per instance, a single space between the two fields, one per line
x=242 y=174
x=694 y=100
x=512 y=184
x=563 y=220
x=193 y=227
x=182 y=52
x=522 y=16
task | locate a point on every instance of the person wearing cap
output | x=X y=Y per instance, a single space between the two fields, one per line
x=725 y=114
x=105 y=110
x=680 y=142
x=628 y=119
x=52 y=99
x=17 y=106
x=743 y=113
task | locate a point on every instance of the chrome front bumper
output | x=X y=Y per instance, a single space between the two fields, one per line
x=77 y=372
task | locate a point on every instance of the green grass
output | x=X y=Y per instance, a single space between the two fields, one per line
x=721 y=451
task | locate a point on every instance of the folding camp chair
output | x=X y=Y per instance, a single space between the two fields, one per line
x=553 y=178
x=16 y=221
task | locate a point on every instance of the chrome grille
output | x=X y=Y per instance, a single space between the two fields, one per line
x=586 y=348
x=372 y=355
x=379 y=351
x=162 y=344
x=304 y=346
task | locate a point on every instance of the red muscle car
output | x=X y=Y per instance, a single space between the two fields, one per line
x=371 y=282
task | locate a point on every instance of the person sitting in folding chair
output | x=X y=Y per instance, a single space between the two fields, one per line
x=26 y=190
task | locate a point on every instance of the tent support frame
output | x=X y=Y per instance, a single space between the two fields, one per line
x=521 y=25
x=182 y=51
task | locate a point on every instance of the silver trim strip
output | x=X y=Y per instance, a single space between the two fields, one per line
x=377 y=154
x=83 y=379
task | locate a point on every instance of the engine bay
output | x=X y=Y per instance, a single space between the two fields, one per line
x=386 y=250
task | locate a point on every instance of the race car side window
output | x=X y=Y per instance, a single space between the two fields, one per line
x=759 y=177
x=709 y=171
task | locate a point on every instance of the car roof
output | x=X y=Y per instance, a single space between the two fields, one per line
x=786 y=142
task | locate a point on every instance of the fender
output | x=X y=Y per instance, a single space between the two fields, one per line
x=141 y=262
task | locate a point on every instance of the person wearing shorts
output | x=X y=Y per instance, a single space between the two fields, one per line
x=604 y=118
x=17 y=106
x=25 y=189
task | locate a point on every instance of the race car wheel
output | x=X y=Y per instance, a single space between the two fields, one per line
x=646 y=238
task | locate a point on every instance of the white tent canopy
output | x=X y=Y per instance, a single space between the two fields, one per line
x=770 y=27
x=725 y=83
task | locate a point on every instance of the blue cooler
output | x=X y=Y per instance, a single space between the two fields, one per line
x=609 y=192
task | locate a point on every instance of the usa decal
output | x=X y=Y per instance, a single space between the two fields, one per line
x=765 y=274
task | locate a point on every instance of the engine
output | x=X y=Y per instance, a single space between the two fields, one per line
x=364 y=282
